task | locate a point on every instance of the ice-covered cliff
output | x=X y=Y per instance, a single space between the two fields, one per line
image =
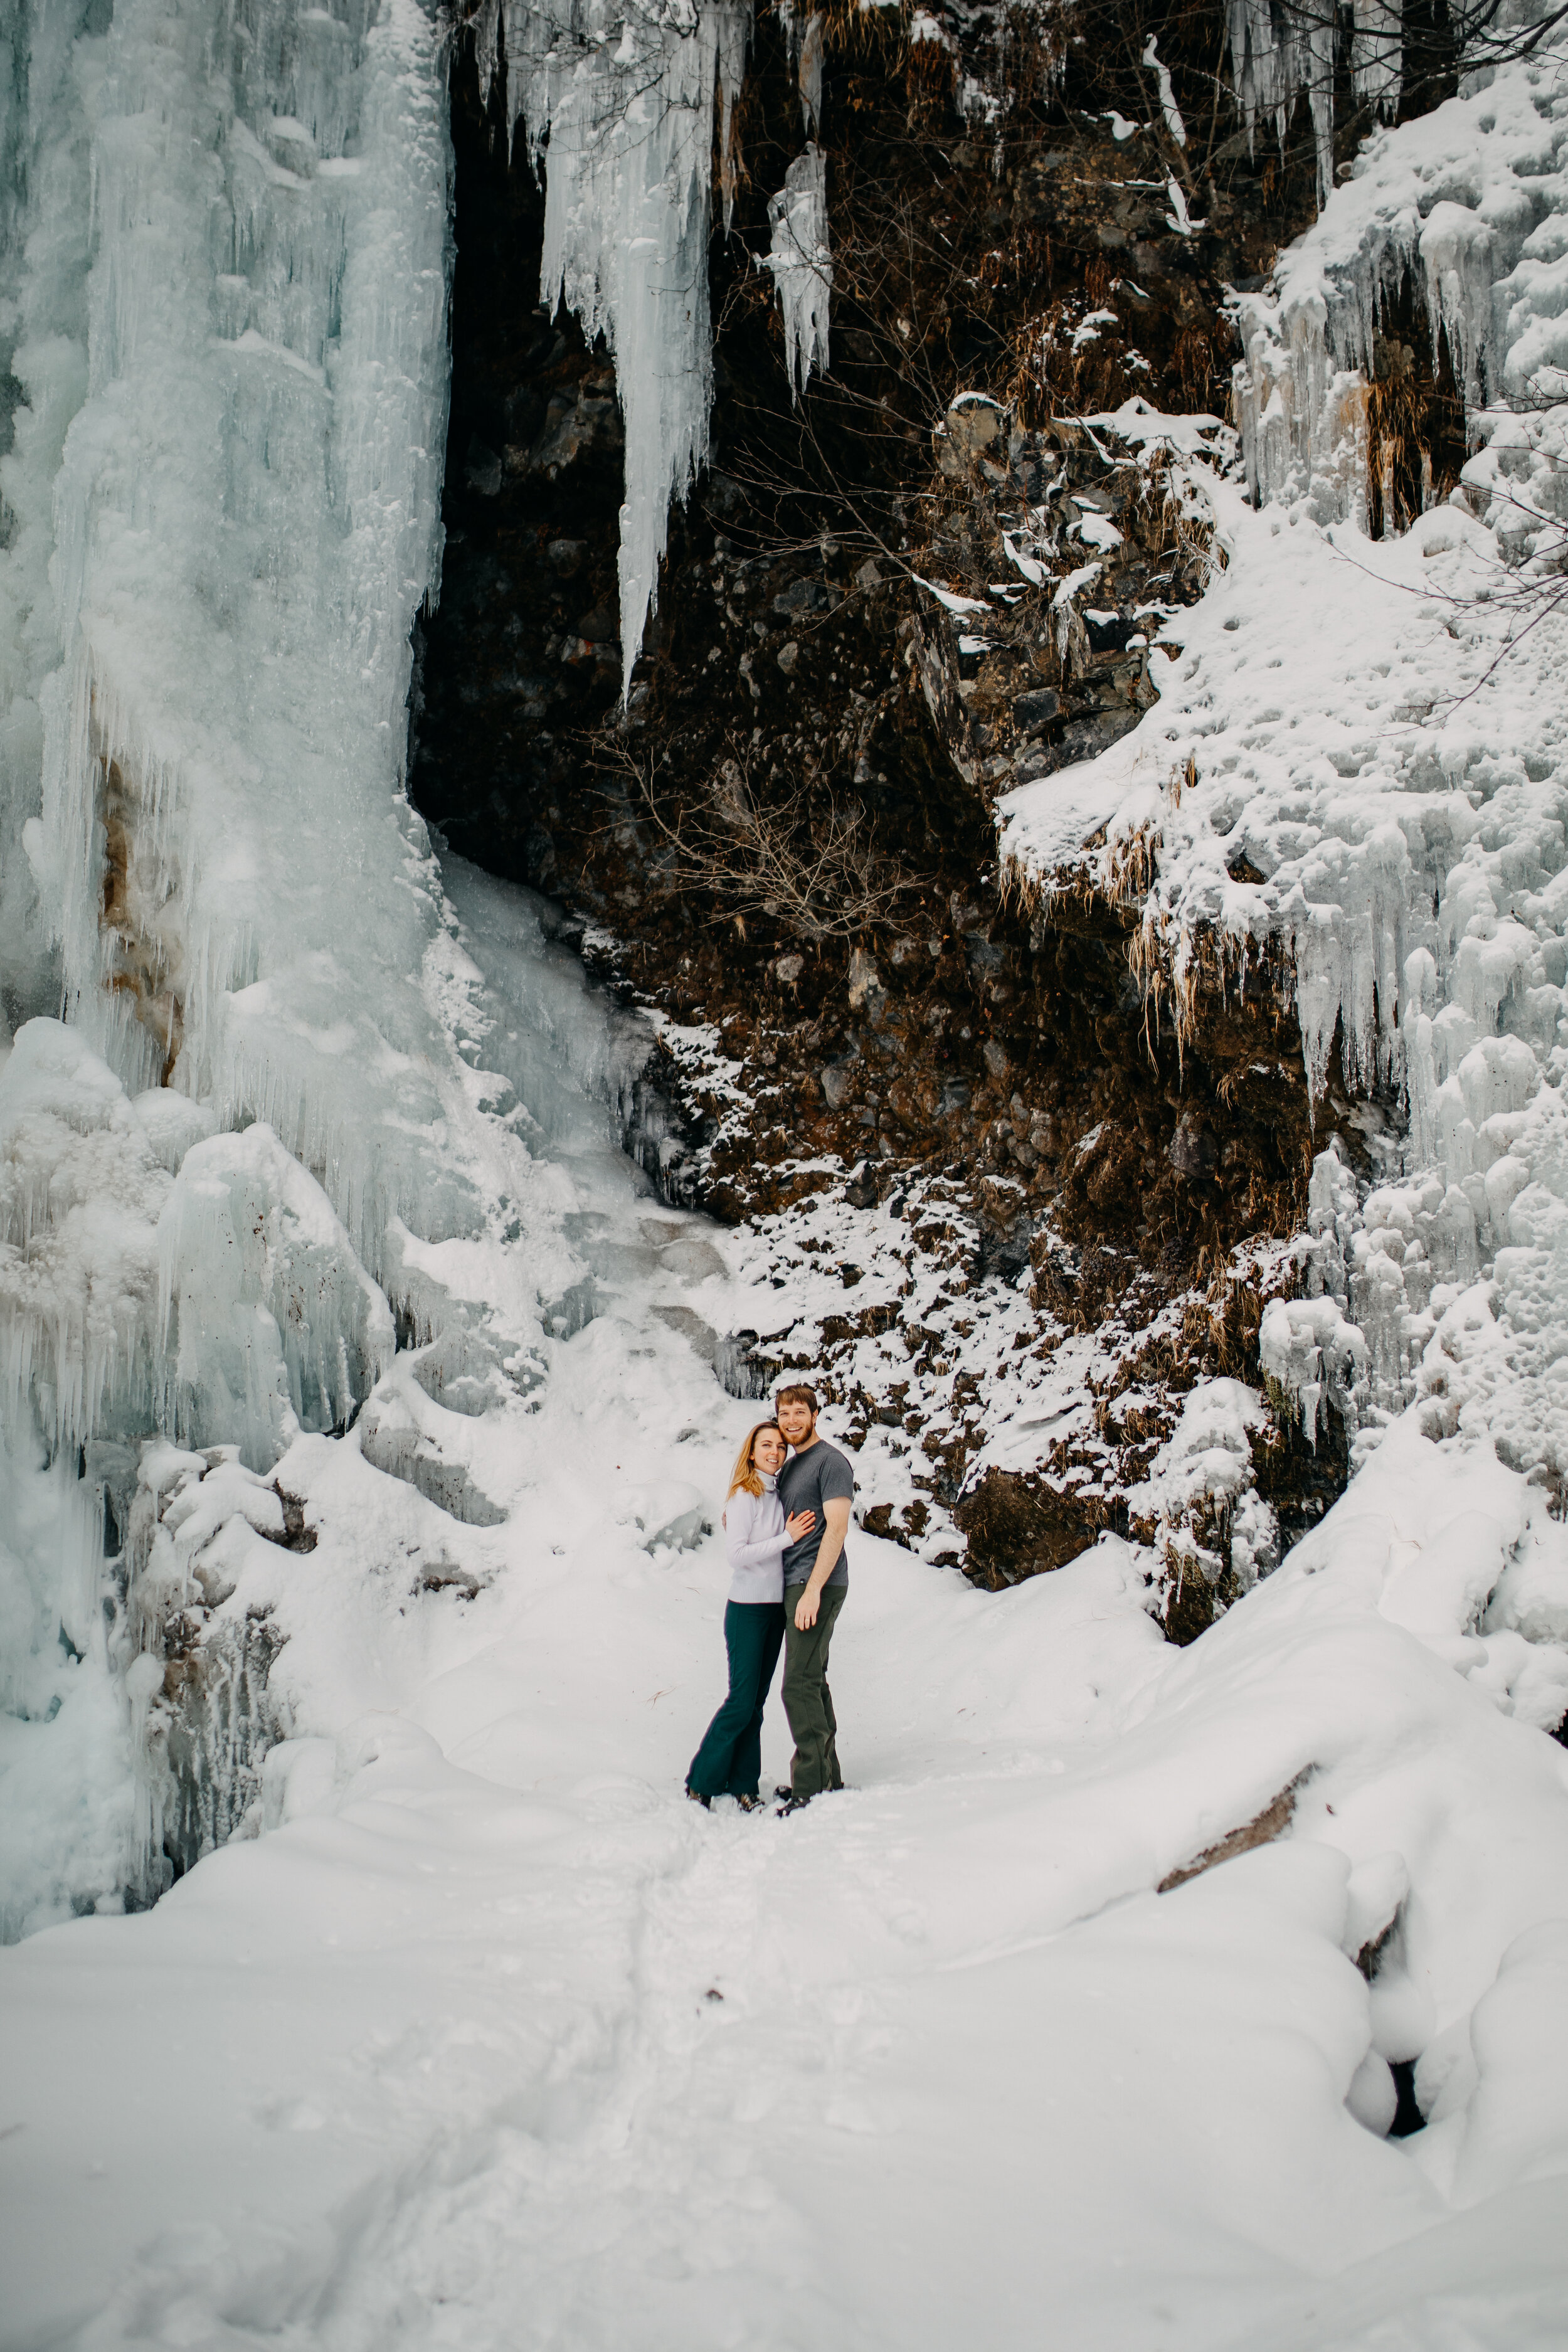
x=226 y=266
x=1356 y=761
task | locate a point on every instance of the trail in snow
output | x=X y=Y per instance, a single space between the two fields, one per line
x=436 y=2060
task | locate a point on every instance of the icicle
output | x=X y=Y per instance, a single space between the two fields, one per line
x=80 y=1193
x=1320 y=85
x=810 y=75
x=1273 y=60
x=734 y=32
x=627 y=114
x=1377 y=55
x=801 y=265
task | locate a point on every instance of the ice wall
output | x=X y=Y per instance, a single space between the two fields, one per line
x=53 y=68
x=245 y=518
x=252 y=1153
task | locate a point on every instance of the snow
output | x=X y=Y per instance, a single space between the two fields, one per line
x=949 y=598
x=1168 y=106
x=1034 y=571
x=1178 y=217
x=451 y=2016
x=1143 y=427
x=1205 y=1462
x=1097 y=531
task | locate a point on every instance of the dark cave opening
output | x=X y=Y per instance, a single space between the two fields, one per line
x=521 y=653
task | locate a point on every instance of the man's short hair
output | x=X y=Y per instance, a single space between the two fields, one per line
x=798 y=1394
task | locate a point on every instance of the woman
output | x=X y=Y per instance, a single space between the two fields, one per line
x=730 y=1760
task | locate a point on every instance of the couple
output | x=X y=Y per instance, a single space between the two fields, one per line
x=784 y=1524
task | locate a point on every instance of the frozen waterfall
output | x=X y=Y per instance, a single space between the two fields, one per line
x=255 y=1160
x=225 y=270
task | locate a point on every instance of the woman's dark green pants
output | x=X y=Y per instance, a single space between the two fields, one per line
x=730 y=1761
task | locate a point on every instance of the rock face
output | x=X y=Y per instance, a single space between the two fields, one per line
x=935 y=575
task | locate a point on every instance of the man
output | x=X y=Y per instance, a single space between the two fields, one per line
x=816 y=1477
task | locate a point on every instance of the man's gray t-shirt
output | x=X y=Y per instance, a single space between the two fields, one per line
x=807 y=1481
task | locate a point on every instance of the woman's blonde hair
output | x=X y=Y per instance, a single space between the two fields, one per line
x=745 y=1472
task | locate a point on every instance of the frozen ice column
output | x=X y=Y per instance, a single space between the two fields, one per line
x=247 y=519
x=223 y=257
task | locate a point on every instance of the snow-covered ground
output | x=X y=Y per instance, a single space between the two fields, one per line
x=489 y=2038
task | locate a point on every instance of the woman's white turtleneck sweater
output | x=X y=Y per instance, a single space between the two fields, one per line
x=755 y=1539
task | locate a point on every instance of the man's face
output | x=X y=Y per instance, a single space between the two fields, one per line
x=797 y=1420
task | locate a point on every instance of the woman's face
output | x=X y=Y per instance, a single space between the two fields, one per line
x=768 y=1453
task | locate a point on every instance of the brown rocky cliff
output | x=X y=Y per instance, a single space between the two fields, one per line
x=893 y=1019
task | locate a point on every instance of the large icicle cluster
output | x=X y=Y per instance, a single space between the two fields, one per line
x=1275 y=56
x=1466 y=202
x=624 y=98
x=617 y=106
x=1279 y=53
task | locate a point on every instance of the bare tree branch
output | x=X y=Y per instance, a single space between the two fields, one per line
x=806 y=858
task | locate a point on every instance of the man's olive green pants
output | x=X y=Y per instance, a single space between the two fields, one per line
x=808 y=1702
